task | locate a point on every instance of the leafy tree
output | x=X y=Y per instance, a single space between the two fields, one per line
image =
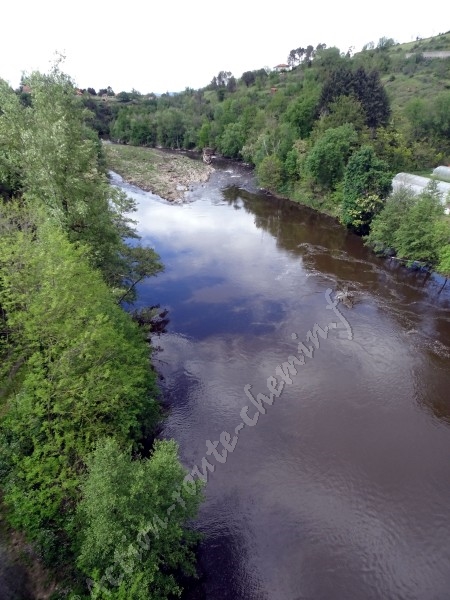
x=414 y=227
x=232 y=140
x=132 y=530
x=57 y=158
x=248 y=78
x=443 y=265
x=123 y=97
x=84 y=374
x=231 y=84
x=295 y=158
x=223 y=78
x=365 y=86
x=301 y=112
x=365 y=176
x=384 y=43
x=327 y=159
x=171 y=127
x=375 y=101
x=385 y=225
x=345 y=109
x=295 y=56
x=391 y=145
x=204 y=135
x=270 y=172
x=422 y=232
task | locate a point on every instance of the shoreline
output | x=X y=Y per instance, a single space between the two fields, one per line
x=166 y=174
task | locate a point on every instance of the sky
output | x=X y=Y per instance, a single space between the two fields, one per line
x=168 y=45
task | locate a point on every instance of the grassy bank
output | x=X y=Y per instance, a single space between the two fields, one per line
x=167 y=175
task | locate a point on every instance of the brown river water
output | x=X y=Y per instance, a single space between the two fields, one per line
x=340 y=488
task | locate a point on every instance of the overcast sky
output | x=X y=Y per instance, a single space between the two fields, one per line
x=168 y=45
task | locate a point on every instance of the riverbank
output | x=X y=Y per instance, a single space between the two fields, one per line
x=22 y=574
x=165 y=174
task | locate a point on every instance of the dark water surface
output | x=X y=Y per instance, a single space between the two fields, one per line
x=341 y=490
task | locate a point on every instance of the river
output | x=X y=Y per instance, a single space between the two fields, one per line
x=341 y=488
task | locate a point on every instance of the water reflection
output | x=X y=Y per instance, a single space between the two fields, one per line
x=341 y=490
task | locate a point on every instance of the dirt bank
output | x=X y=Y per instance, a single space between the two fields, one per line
x=168 y=175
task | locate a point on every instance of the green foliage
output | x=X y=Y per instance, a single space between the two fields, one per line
x=248 y=78
x=365 y=86
x=204 y=135
x=391 y=145
x=57 y=159
x=367 y=181
x=231 y=141
x=345 y=109
x=270 y=172
x=443 y=265
x=132 y=530
x=301 y=113
x=327 y=159
x=74 y=367
x=85 y=372
x=385 y=225
x=414 y=227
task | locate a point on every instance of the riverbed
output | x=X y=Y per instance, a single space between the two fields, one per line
x=340 y=488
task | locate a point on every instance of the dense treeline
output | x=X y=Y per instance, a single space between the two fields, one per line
x=322 y=132
x=78 y=396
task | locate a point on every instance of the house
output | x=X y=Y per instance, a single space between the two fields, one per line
x=281 y=67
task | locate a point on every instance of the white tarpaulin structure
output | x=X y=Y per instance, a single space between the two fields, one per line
x=442 y=173
x=417 y=184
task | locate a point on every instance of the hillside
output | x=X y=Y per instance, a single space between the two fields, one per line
x=414 y=76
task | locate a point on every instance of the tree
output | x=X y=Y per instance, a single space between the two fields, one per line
x=422 y=232
x=223 y=77
x=84 y=373
x=414 y=228
x=365 y=86
x=345 y=109
x=365 y=176
x=375 y=101
x=248 y=78
x=295 y=56
x=301 y=112
x=232 y=140
x=133 y=533
x=231 y=84
x=59 y=160
x=123 y=97
x=385 y=225
x=327 y=159
x=270 y=172
x=443 y=265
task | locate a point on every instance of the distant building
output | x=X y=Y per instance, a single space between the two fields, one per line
x=281 y=67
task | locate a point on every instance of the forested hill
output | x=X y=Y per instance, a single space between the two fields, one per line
x=417 y=86
x=392 y=95
x=328 y=129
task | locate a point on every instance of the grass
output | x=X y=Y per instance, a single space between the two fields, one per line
x=164 y=174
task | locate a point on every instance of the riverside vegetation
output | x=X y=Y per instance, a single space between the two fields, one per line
x=329 y=131
x=79 y=401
